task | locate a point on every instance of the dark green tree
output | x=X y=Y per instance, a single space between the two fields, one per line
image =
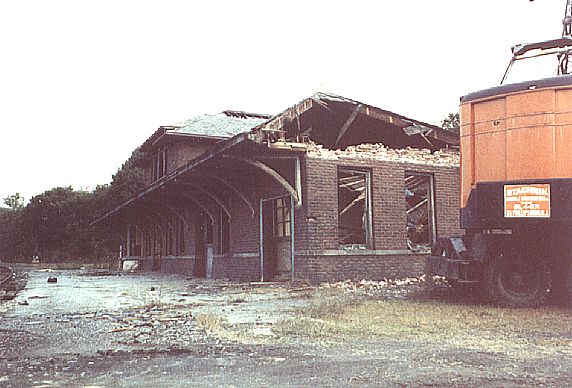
x=451 y=122
x=57 y=224
x=12 y=241
x=14 y=202
x=127 y=182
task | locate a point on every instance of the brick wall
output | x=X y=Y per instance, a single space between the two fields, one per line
x=243 y=267
x=388 y=201
x=244 y=227
x=178 y=264
x=317 y=268
x=387 y=256
x=318 y=255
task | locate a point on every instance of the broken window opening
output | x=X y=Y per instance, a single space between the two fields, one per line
x=354 y=212
x=281 y=216
x=224 y=233
x=419 y=200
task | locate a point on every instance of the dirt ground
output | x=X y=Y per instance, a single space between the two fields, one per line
x=101 y=329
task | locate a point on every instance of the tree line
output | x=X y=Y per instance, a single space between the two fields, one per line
x=55 y=225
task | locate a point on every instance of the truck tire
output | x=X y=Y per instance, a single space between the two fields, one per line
x=561 y=291
x=516 y=282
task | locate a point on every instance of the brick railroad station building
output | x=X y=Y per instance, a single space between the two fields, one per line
x=329 y=189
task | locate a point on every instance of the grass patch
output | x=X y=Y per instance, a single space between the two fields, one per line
x=212 y=324
x=511 y=331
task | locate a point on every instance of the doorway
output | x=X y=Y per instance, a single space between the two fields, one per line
x=276 y=238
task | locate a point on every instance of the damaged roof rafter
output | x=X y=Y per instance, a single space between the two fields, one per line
x=324 y=100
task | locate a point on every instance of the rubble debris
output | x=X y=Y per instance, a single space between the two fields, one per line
x=378 y=151
x=388 y=288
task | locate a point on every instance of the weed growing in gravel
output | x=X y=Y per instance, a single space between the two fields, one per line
x=526 y=332
x=212 y=324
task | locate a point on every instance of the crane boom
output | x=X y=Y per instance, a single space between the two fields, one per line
x=567 y=21
x=561 y=47
x=564 y=57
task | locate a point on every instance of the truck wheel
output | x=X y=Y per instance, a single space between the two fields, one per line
x=516 y=282
x=561 y=292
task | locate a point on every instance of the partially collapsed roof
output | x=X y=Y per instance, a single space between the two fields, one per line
x=331 y=121
x=339 y=122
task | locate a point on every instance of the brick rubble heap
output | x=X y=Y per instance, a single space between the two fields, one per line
x=445 y=157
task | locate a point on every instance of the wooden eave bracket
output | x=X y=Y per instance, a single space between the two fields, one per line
x=296 y=194
x=234 y=189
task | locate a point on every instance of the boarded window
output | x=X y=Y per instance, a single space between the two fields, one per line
x=419 y=208
x=281 y=216
x=354 y=218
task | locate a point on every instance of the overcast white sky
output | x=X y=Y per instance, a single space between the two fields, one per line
x=83 y=83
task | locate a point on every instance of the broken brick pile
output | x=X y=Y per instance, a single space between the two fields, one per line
x=393 y=288
x=378 y=151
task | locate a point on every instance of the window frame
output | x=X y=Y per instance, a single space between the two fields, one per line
x=281 y=217
x=432 y=215
x=368 y=210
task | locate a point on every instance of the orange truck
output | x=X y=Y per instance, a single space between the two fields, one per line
x=516 y=187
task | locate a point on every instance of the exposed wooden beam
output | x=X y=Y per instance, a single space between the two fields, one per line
x=348 y=122
x=272 y=173
x=356 y=200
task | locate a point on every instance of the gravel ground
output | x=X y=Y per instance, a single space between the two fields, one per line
x=148 y=330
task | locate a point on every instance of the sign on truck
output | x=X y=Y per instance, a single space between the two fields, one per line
x=527 y=201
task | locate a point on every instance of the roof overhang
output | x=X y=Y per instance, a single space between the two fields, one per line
x=218 y=149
